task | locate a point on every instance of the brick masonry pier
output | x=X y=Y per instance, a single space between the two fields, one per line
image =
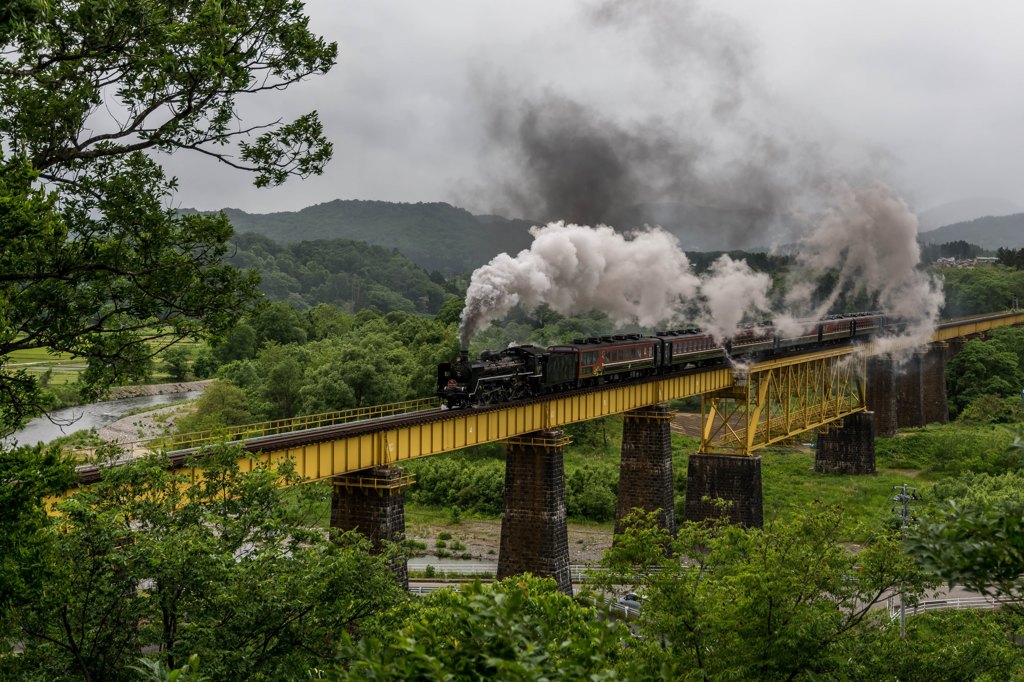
x=645 y=473
x=735 y=480
x=534 y=534
x=847 y=450
x=373 y=502
x=881 y=394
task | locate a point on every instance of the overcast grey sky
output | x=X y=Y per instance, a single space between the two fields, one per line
x=926 y=93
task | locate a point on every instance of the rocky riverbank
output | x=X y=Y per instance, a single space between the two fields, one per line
x=154 y=422
x=157 y=389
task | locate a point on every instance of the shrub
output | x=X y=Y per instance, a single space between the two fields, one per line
x=949 y=449
x=992 y=409
x=590 y=493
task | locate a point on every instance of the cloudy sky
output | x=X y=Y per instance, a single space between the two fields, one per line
x=428 y=100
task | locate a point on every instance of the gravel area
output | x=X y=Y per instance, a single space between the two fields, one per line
x=483 y=539
x=119 y=392
x=150 y=424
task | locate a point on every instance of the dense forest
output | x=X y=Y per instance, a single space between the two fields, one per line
x=351 y=275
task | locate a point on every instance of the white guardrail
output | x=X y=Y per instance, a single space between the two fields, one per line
x=893 y=605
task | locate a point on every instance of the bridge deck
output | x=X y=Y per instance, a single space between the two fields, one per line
x=326 y=451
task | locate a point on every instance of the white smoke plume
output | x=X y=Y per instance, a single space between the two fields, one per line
x=868 y=239
x=642 y=278
x=574 y=268
x=732 y=289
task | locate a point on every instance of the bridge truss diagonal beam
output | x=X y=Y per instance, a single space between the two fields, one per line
x=775 y=400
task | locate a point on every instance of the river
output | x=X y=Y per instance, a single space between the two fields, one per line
x=70 y=419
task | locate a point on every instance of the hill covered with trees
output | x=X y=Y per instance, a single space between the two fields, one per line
x=991 y=232
x=435 y=236
x=351 y=275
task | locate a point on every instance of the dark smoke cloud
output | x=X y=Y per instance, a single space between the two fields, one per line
x=577 y=166
x=700 y=167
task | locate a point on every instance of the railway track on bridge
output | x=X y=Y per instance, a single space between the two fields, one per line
x=286 y=441
x=184 y=457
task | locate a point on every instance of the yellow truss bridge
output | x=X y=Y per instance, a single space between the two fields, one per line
x=743 y=411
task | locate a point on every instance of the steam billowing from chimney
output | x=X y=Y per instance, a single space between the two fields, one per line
x=866 y=240
x=643 y=278
x=573 y=268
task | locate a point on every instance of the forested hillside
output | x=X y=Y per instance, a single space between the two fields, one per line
x=435 y=236
x=990 y=232
x=350 y=275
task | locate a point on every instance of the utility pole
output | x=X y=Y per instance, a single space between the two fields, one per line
x=904 y=496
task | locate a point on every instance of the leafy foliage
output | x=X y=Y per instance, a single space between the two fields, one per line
x=27 y=475
x=96 y=264
x=219 y=566
x=350 y=275
x=973 y=534
x=780 y=603
x=521 y=628
x=981 y=290
x=949 y=450
x=982 y=368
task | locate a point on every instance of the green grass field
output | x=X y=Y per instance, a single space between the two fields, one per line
x=65 y=369
x=62 y=368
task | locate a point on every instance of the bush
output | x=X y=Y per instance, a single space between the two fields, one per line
x=992 y=409
x=590 y=493
x=453 y=482
x=949 y=449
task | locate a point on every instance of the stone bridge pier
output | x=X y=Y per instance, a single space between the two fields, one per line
x=534 y=530
x=921 y=387
x=726 y=486
x=645 y=471
x=847 y=449
x=373 y=502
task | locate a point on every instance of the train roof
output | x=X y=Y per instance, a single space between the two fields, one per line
x=605 y=340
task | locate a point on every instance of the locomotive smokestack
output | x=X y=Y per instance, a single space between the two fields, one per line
x=464 y=355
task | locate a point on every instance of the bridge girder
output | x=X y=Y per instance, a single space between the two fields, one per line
x=777 y=399
x=774 y=400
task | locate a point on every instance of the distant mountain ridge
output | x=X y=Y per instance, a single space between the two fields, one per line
x=991 y=232
x=965 y=210
x=434 y=236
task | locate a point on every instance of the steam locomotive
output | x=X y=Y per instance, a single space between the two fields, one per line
x=526 y=371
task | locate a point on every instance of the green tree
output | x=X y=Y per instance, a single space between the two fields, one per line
x=240 y=343
x=221 y=404
x=281 y=380
x=973 y=535
x=278 y=322
x=980 y=368
x=521 y=628
x=177 y=361
x=94 y=260
x=785 y=602
x=229 y=567
x=87 y=90
x=27 y=475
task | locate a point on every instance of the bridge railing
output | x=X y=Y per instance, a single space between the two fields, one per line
x=955 y=603
x=184 y=441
